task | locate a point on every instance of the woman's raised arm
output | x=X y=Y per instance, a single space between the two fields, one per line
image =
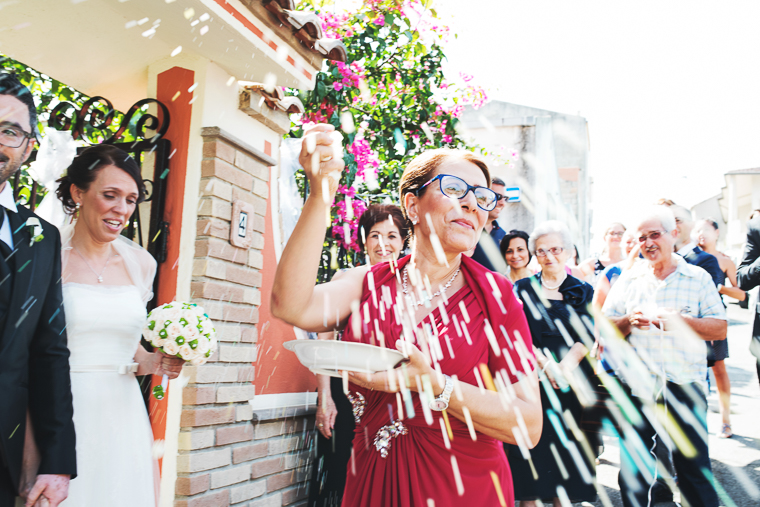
x=295 y=299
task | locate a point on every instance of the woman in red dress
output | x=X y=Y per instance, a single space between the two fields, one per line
x=429 y=432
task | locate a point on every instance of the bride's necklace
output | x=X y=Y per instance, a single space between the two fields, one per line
x=405 y=287
x=555 y=287
x=99 y=275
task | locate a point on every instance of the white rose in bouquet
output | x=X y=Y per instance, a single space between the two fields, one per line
x=186 y=352
x=174 y=329
x=171 y=347
x=180 y=329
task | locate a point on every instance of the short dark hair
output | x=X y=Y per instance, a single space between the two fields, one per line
x=10 y=85
x=498 y=181
x=375 y=214
x=84 y=169
x=713 y=222
x=513 y=234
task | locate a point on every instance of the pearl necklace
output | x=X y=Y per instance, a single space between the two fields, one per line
x=556 y=287
x=405 y=287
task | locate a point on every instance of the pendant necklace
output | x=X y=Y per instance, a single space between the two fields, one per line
x=99 y=275
x=405 y=287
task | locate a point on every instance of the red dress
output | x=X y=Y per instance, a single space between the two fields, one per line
x=417 y=465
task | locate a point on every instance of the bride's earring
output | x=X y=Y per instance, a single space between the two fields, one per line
x=75 y=215
x=414 y=221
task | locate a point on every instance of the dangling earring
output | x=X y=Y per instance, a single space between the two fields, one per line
x=414 y=221
x=75 y=215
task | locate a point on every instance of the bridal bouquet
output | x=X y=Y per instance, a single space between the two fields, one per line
x=183 y=330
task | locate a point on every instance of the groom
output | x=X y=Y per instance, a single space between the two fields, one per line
x=34 y=359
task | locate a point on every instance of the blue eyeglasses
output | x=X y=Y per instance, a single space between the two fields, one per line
x=452 y=186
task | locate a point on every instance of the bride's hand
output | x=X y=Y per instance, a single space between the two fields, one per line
x=171 y=366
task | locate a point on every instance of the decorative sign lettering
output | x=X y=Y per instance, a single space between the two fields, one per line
x=242 y=224
x=513 y=194
x=241 y=230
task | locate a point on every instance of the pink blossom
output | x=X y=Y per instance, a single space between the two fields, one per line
x=379 y=20
x=447 y=139
x=337 y=86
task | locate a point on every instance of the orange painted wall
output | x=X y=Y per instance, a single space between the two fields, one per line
x=168 y=84
x=277 y=370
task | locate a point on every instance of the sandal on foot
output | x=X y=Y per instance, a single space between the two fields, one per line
x=726 y=432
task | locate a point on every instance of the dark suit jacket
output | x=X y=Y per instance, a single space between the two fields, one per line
x=748 y=275
x=497 y=233
x=708 y=262
x=34 y=358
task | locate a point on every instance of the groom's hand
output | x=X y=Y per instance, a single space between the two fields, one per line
x=55 y=488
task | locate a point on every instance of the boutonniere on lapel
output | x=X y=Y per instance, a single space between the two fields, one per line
x=35 y=230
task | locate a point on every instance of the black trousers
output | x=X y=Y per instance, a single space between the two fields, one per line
x=688 y=407
x=7 y=489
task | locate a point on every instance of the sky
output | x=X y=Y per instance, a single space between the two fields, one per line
x=670 y=89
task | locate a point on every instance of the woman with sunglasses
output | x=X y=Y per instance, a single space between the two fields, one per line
x=592 y=268
x=555 y=305
x=431 y=429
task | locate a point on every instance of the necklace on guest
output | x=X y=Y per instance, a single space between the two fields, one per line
x=547 y=287
x=99 y=275
x=405 y=287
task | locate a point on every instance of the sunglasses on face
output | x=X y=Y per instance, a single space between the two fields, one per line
x=452 y=186
x=654 y=236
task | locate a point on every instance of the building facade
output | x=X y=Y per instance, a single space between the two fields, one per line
x=552 y=170
x=235 y=430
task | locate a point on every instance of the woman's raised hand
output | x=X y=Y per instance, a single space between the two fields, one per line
x=322 y=159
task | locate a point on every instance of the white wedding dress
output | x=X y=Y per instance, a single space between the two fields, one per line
x=115 y=465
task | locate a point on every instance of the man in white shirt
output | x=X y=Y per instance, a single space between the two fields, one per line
x=666 y=309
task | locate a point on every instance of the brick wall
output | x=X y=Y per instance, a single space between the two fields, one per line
x=224 y=458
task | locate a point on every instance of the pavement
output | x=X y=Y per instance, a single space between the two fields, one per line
x=735 y=461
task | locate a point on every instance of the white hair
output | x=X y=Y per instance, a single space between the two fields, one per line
x=662 y=214
x=551 y=227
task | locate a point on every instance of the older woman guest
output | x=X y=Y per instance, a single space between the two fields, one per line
x=385 y=230
x=461 y=328
x=514 y=249
x=552 y=299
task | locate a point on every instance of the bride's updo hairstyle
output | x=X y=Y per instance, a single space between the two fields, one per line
x=85 y=167
x=424 y=167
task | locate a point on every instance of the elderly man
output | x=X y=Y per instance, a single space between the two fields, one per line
x=666 y=309
x=484 y=256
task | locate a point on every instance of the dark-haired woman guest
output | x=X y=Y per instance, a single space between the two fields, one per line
x=107 y=281
x=384 y=228
x=514 y=249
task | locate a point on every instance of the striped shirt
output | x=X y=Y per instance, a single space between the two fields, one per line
x=678 y=356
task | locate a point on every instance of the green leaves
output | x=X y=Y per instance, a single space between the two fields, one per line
x=396 y=106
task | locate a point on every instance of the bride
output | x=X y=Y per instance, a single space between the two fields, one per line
x=107 y=281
